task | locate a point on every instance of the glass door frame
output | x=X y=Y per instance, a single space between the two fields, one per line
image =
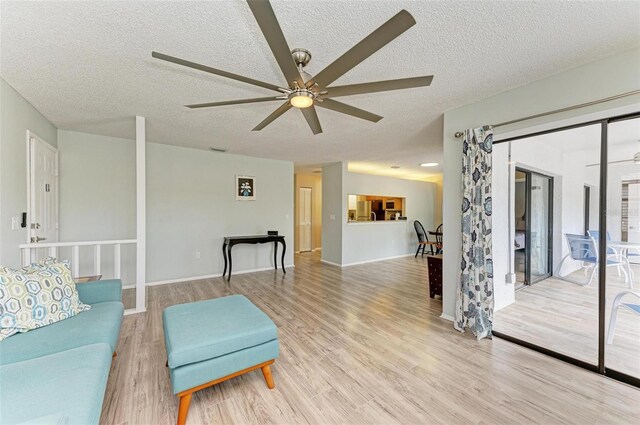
x=600 y=367
x=528 y=190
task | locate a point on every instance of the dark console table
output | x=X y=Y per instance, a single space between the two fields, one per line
x=230 y=241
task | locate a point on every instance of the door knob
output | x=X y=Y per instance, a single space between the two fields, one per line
x=35 y=239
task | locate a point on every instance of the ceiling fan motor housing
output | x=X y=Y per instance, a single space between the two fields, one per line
x=301 y=57
x=302 y=98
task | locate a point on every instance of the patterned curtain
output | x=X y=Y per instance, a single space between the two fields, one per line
x=474 y=301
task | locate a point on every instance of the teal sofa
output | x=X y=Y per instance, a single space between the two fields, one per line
x=58 y=374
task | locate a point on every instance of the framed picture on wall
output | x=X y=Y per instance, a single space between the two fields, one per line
x=245 y=188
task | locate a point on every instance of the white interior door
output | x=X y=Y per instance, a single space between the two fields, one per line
x=304 y=219
x=43 y=191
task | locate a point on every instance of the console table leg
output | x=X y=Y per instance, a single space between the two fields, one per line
x=284 y=250
x=230 y=261
x=224 y=254
x=275 y=254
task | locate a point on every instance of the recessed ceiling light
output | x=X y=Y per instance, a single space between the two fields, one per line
x=428 y=164
x=395 y=167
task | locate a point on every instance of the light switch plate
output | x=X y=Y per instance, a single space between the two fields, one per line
x=15 y=223
x=332 y=216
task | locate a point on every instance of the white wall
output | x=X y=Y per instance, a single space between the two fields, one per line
x=351 y=243
x=190 y=204
x=333 y=213
x=98 y=197
x=16 y=117
x=601 y=79
x=364 y=242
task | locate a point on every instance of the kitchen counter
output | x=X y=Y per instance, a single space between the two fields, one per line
x=378 y=222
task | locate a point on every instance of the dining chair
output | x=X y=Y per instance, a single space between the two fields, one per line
x=439 y=241
x=423 y=239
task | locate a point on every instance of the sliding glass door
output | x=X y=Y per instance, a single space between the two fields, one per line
x=557 y=308
x=540 y=235
x=533 y=203
x=622 y=305
x=582 y=236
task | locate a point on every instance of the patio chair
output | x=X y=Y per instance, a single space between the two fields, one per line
x=584 y=250
x=423 y=239
x=617 y=303
x=623 y=256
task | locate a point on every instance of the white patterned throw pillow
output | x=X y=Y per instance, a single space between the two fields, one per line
x=37 y=296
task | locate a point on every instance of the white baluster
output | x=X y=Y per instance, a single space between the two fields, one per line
x=96 y=260
x=53 y=252
x=76 y=260
x=117 y=274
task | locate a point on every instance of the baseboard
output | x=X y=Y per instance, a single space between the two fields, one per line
x=376 y=260
x=331 y=263
x=366 y=261
x=209 y=276
x=130 y=311
x=447 y=317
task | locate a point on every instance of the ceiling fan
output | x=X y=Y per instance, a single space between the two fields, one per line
x=304 y=91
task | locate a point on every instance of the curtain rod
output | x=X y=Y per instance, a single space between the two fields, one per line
x=459 y=134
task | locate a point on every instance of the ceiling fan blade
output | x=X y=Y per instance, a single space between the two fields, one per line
x=311 y=116
x=404 y=83
x=368 y=46
x=215 y=71
x=266 y=18
x=233 y=102
x=275 y=114
x=349 y=110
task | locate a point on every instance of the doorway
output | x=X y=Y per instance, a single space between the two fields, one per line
x=42 y=199
x=304 y=219
x=533 y=243
x=307 y=213
x=630 y=211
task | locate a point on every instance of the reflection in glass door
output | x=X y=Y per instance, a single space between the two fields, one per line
x=540 y=228
x=588 y=311
x=622 y=305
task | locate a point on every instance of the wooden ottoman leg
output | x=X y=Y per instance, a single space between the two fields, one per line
x=266 y=371
x=183 y=410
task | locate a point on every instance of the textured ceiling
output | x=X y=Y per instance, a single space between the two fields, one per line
x=87 y=67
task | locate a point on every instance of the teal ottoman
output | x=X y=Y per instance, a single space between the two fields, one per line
x=211 y=341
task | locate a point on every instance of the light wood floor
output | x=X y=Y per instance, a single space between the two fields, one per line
x=359 y=345
x=562 y=316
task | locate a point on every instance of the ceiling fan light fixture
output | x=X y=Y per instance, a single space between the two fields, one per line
x=301 y=98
